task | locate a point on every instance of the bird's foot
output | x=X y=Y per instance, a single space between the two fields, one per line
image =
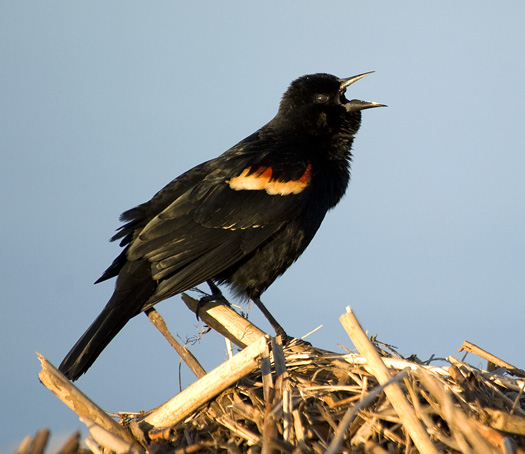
x=216 y=296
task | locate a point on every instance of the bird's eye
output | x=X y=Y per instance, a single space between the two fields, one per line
x=321 y=99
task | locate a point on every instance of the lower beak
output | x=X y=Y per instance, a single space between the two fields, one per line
x=356 y=104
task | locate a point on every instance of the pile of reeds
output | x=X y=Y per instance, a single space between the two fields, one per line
x=298 y=399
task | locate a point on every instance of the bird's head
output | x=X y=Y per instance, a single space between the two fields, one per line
x=316 y=105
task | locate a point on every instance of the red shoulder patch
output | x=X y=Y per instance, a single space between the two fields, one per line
x=262 y=179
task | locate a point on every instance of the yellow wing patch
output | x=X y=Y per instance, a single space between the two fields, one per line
x=262 y=179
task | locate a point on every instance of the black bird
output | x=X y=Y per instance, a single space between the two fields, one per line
x=240 y=219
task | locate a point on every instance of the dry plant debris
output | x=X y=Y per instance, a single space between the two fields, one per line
x=300 y=399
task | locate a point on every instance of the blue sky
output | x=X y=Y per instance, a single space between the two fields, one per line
x=103 y=103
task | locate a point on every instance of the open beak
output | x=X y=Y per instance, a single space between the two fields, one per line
x=355 y=104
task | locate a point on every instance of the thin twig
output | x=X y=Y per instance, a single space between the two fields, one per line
x=192 y=362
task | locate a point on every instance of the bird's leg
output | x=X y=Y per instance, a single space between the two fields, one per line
x=278 y=328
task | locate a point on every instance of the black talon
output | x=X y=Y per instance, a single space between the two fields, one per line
x=216 y=295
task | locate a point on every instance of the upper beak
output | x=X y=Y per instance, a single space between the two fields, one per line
x=356 y=104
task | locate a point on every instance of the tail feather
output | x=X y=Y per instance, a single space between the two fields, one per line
x=96 y=338
x=133 y=290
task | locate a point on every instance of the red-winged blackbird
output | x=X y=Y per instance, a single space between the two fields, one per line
x=241 y=219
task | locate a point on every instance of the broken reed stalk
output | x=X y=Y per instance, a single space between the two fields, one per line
x=23 y=447
x=472 y=348
x=108 y=440
x=225 y=321
x=498 y=440
x=505 y=422
x=394 y=363
x=394 y=393
x=192 y=362
x=71 y=445
x=206 y=388
x=37 y=445
x=75 y=399
x=273 y=394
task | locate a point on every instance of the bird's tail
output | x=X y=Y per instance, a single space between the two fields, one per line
x=122 y=307
x=96 y=338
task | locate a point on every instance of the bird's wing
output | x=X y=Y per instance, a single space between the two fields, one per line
x=217 y=222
